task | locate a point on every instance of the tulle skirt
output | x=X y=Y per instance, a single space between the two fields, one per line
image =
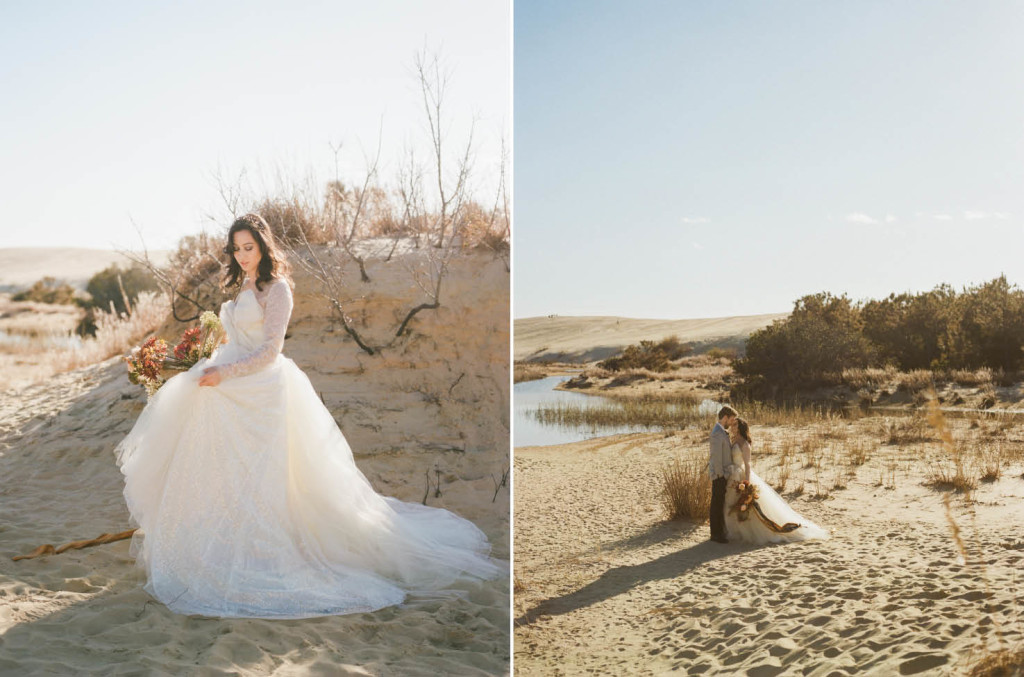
x=774 y=509
x=249 y=504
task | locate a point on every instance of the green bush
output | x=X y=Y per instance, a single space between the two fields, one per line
x=109 y=287
x=810 y=348
x=910 y=331
x=980 y=327
x=48 y=290
x=105 y=287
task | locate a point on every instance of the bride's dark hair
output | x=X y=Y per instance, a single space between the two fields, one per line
x=272 y=262
x=744 y=430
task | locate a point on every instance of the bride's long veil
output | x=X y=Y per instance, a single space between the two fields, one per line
x=776 y=509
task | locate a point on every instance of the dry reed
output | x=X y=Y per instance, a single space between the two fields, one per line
x=527 y=371
x=115 y=333
x=686 y=490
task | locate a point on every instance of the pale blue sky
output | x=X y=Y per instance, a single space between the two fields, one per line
x=118 y=110
x=701 y=159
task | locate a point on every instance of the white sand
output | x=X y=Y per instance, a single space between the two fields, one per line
x=611 y=588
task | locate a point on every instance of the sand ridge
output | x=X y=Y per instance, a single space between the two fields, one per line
x=21 y=266
x=586 y=339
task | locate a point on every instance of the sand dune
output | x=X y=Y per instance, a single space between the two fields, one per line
x=439 y=399
x=21 y=266
x=585 y=339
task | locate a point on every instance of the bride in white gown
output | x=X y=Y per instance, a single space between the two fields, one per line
x=769 y=519
x=245 y=492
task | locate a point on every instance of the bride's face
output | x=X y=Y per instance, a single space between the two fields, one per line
x=734 y=428
x=247 y=252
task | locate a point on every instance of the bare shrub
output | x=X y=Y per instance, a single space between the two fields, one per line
x=727 y=354
x=190 y=280
x=650 y=355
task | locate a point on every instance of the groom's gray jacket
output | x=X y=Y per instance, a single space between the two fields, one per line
x=721 y=453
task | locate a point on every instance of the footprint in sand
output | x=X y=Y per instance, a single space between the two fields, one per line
x=922 y=662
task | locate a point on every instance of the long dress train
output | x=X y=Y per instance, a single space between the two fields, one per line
x=770 y=519
x=249 y=501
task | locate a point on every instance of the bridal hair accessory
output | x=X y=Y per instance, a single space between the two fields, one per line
x=254 y=220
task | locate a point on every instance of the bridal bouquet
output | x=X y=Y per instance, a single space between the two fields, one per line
x=147 y=362
x=196 y=343
x=744 y=503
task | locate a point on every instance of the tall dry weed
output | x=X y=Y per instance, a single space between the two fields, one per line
x=956 y=472
x=686 y=489
x=115 y=333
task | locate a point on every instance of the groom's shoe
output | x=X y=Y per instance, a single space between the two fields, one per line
x=720 y=539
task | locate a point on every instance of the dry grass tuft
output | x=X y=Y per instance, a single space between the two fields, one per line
x=686 y=491
x=115 y=333
x=528 y=371
x=906 y=430
x=869 y=378
x=915 y=381
x=1004 y=663
x=967 y=377
x=992 y=460
x=954 y=474
x=858 y=452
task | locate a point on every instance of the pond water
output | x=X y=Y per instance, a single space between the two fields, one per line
x=41 y=342
x=528 y=396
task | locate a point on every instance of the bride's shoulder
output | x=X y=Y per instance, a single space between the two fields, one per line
x=281 y=285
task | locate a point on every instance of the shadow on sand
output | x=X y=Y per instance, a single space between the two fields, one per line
x=619 y=580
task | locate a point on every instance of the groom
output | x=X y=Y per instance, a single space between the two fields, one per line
x=719 y=463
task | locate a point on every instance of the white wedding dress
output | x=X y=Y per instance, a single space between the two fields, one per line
x=248 y=500
x=771 y=520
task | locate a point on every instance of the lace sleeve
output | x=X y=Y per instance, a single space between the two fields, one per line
x=275 y=322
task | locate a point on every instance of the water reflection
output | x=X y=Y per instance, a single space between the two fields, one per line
x=528 y=431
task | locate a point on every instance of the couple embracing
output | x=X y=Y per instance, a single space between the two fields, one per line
x=743 y=507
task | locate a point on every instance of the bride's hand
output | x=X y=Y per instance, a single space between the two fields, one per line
x=210 y=377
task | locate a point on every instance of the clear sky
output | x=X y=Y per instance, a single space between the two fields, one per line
x=113 y=111
x=714 y=158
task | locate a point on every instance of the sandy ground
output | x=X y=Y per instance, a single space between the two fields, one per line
x=439 y=399
x=604 y=585
x=586 y=339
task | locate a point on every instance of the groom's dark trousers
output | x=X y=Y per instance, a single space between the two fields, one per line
x=717 y=515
